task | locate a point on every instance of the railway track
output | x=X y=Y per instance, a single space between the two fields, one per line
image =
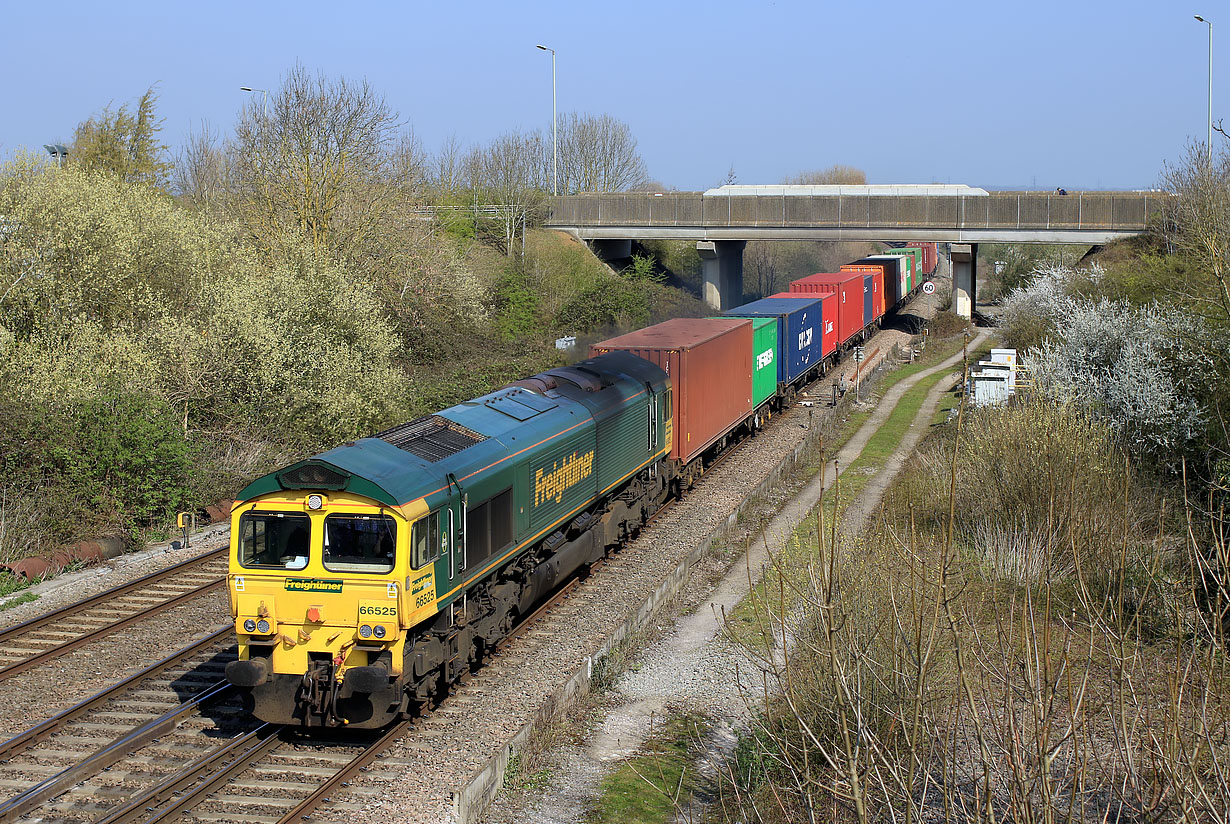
x=50 y=636
x=147 y=749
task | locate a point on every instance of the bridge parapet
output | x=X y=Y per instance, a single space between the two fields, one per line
x=1077 y=217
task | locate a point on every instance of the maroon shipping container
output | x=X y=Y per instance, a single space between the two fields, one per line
x=828 y=314
x=709 y=361
x=848 y=286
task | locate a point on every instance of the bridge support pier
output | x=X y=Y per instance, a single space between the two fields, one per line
x=964 y=279
x=721 y=263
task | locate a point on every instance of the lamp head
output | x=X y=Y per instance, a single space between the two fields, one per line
x=1201 y=19
x=540 y=46
x=244 y=89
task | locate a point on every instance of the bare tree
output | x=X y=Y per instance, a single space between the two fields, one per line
x=597 y=153
x=328 y=161
x=1197 y=219
x=448 y=170
x=835 y=175
x=506 y=178
x=202 y=174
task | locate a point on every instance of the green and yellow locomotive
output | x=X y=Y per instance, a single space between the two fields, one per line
x=364 y=580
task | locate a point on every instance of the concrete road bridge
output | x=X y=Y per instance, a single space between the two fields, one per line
x=722 y=220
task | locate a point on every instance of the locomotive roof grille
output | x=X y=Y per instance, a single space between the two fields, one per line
x=431 y=438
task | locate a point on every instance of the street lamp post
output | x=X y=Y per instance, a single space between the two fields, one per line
x=264 y=94
x=1209 y=23
x=57 y=150
x=554 y=128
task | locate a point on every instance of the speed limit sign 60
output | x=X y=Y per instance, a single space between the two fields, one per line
x=929 y=288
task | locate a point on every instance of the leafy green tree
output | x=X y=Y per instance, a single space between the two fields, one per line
x=124 y=143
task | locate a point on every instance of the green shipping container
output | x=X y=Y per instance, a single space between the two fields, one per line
x=913 y=262
x=764 y=359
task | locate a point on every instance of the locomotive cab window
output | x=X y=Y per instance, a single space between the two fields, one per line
x=274 y=540
x=666 y=405
x=425 y=540
x=359 y=543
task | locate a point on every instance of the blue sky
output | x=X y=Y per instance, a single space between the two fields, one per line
x=1040 y=93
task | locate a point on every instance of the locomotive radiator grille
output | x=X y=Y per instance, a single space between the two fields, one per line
x=431 y=438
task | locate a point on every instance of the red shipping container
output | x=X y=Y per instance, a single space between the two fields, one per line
x=828 y=314
x=848 y=286
x=877 y=294
x=889 y=285
x=709 y=361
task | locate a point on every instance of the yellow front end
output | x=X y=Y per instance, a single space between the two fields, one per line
x=323 y=596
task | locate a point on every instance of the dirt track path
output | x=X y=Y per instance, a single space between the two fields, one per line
x=691 y=666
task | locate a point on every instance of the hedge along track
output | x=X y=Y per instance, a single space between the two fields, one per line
x=34 y=642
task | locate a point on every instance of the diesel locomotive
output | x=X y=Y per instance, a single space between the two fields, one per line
x=366 y=579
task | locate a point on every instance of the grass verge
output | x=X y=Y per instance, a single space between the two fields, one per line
x=748 y=619
x=653 y=785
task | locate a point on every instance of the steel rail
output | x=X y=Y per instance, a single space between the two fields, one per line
x=226 y=762
x=109 y=755
x=24 y=740
x=114 y=592
x=322 y=794
x=19 y=667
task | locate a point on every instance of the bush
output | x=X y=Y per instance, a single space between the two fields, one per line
x=615 y=302
x=304 y=355
x=516 y=304
x=86 y=245
x=118 y=460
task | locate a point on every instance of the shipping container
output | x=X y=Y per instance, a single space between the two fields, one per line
x=869 y=300
x=894 y=268
x=848 y=286
x=709 y=362
x=828 y=315
x=879 y=306
x=914 y=256
x=799 y=340
x=931 y=258
x=764 y=359
x=890 y=286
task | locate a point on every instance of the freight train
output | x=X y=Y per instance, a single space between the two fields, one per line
x=365 y=580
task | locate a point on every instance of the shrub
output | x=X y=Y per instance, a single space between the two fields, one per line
x=1128 y=366
x=86 y=245
x=516 y=304
x=305 y=355
x=116 y=460
x=615 y=302
x=1039 y=491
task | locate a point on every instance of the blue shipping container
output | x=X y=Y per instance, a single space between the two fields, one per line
x=798 y=331
x=868 y=304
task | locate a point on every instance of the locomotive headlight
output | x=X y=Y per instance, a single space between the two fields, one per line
x=262 y=626
x=315 y=502
x=365 y=631
x=249 y=625
x=379 y=631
